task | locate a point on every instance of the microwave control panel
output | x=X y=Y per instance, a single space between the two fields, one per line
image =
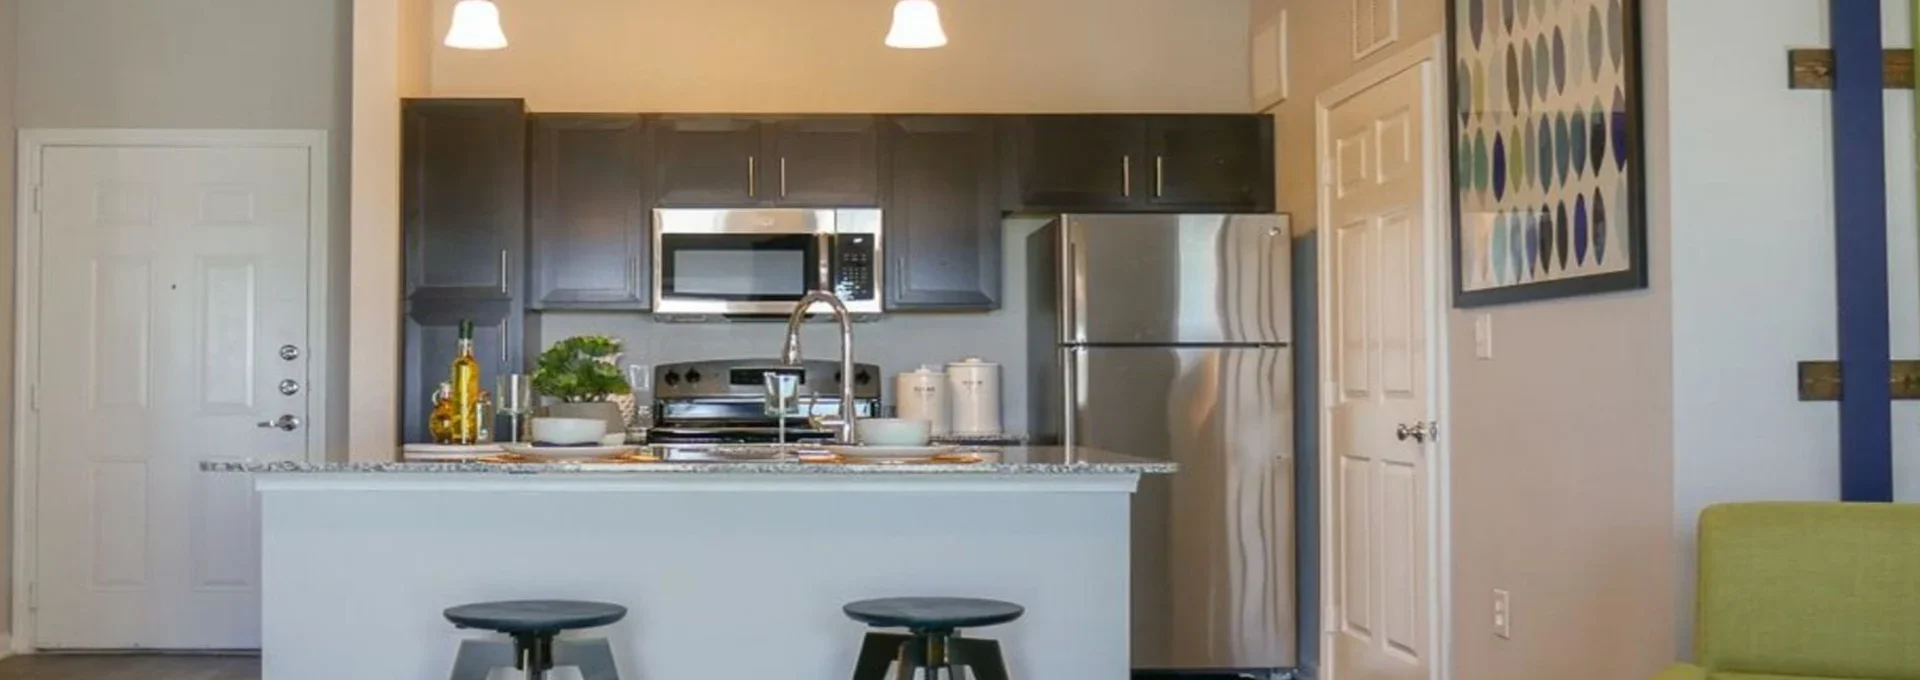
x=853 y=268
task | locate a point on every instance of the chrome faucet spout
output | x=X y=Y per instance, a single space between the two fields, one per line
x=790 y=352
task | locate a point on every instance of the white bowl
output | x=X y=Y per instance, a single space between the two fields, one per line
x=893 y=431
x=569 y=431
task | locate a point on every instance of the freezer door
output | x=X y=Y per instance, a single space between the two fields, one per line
x=1213 y=577
x=1165 y=279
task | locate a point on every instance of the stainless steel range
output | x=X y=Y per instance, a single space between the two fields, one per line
x=725 y=402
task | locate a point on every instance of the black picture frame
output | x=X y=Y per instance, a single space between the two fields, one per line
x=1635 y=277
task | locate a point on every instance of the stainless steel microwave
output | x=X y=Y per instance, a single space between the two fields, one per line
x=760 y=261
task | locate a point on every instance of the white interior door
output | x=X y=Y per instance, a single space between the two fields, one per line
x=1379 y=321
x=170 y=278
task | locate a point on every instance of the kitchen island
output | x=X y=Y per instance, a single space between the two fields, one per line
x=729 y=569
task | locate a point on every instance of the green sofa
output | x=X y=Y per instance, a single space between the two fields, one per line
x=1807 y=591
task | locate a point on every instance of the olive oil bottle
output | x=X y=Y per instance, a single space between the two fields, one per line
x=466 y=397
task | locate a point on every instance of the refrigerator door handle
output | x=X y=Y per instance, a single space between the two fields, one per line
x=1073 y=293
x=1073 y=397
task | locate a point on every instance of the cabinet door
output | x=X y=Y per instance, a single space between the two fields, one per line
x=1217 y=163
x=463 y=192
x=709 y=162
x=589 y=230
x=942 y=212
x=823 y=161
x=1081 y=162
x=432 y=335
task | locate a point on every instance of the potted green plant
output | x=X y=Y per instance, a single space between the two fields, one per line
x=583 y=372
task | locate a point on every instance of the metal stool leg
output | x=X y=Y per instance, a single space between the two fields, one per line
x=877 y=652
x=593 y=656
x=982 y=657
x=477 y=658
x=913 y=656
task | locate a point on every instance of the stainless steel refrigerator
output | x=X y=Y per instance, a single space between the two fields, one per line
x=1167 y=336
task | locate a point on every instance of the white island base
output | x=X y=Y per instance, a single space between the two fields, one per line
x=727 y=575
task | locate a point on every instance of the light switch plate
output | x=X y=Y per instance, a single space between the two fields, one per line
x=1502 y=615
x=1483 y=336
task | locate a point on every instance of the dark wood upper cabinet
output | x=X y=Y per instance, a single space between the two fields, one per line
x=824 y=161
x=463 y=198
x=463 y=190
x=589 y=219
x=709 y=162
x=943 y=218
x=1221 y=163
x=1079 y=162
x=1143 y=163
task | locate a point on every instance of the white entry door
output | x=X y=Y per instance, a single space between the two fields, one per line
x=1379 y=322
x=170 y=280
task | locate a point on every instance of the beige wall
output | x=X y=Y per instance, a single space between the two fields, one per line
x=389 y=62
x=8 y=60
x=826 y=55
x=1561 y=446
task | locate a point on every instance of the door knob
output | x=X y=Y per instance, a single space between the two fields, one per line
x=289 y=387
x=287 y=423
x=1419 y=432
x=289 y=352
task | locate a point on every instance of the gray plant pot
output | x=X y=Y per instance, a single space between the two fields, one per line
x=604 y=410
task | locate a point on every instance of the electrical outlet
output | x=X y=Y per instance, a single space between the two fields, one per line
x=1502 y=615
x=1483 y=336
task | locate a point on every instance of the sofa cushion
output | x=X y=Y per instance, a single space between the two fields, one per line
x=1810 y=590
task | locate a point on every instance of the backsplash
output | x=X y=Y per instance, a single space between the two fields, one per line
x=897 y=342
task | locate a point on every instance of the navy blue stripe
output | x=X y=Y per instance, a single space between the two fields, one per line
x=1860 y=216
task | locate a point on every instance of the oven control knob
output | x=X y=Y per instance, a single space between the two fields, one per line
x=671 y=378
x=861 y=378
x=693 y=377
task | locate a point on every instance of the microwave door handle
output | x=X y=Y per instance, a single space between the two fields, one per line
x=826 y=259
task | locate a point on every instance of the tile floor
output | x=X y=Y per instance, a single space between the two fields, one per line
x=129 y=667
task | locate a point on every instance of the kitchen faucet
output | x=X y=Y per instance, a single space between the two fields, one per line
x=790 y=354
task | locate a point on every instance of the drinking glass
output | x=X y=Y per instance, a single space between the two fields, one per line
x=513 y=398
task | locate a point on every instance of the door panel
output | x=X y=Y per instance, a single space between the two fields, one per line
x=170 y=278
x=589 y=231
x=463 y=188
x=1156 y=279
x=1221 y=163
x=1212 y=546
x=824 y=161
x=942 y=211
x=1381 y=323
x=1082 y=162
x=709 y=162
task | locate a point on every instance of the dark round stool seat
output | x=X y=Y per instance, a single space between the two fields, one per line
x=533 y=617
x=933 y=613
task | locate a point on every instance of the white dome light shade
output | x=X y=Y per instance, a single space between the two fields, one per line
x=476 y=26
x=916 y=26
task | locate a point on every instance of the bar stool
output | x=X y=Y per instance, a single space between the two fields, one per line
x=933 y=641
x=533 y=625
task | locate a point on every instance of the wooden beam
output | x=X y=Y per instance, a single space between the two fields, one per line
x=1812 y=69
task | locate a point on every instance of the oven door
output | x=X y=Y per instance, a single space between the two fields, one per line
x=734 y=273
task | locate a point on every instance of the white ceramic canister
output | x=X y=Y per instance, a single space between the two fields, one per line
x=974 y=390
x=922 y=395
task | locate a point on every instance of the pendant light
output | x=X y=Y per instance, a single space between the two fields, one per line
x=476 y=26
x=916 y=26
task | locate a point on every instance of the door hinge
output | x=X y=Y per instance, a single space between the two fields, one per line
x=36 y=199
x=33 y=596
x=33 y=397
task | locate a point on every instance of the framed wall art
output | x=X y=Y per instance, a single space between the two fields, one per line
x=1549 y=196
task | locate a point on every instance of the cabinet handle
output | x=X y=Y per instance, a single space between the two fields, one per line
x=753 y=178
x=504 y=288
x=1126 y=176
x=783 y=176
x=503 y=347
x=1159 y=176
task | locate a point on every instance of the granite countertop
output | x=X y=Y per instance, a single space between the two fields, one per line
x=1037 y=460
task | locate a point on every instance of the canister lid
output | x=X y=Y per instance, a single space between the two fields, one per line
x=971 y=362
